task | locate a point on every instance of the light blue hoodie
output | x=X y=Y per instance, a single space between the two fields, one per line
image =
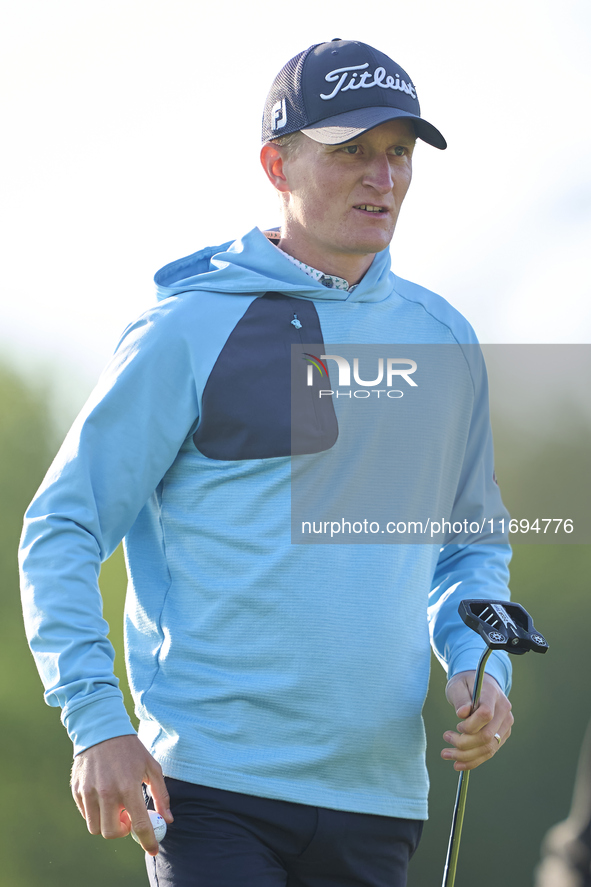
x=258 y=665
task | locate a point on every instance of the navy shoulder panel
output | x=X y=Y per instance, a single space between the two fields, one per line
x=258 y=391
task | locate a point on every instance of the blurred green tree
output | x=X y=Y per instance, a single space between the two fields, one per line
x=44 y=839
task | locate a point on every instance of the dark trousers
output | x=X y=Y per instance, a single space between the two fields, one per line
x=226 y=839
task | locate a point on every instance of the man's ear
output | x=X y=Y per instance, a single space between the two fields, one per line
x=273 y=163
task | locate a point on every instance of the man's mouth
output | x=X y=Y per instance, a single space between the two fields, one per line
x=370 y=208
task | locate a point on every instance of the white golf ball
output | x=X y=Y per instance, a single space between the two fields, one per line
x=158 y=824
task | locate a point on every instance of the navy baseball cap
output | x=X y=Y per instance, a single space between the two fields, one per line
x=335 y=91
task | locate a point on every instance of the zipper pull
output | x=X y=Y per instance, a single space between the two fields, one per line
x=295 y=322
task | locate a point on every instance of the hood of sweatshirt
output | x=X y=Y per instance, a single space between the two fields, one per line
x=253 y=264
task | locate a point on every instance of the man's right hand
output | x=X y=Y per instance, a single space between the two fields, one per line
x=107 y=787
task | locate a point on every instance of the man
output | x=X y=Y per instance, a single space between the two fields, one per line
x=279 y=686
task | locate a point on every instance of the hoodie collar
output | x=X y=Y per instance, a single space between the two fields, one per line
x=252 y=264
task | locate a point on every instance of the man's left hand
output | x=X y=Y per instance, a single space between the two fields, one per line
x=475 y=740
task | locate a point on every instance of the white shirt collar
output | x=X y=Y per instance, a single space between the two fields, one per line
x=330 y=281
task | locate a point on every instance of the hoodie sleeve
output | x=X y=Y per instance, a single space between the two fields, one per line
x=472 y=566
x=123 y=442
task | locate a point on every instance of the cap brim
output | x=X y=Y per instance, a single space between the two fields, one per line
x=344 y=127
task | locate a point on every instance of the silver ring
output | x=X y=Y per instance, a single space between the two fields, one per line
x=498 y=738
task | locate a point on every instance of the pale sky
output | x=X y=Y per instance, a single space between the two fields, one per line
x=132 y=132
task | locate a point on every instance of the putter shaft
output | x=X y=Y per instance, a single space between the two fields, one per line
x=453 y=849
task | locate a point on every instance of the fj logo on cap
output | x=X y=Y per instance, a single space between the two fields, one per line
x=365 y=81
x=278 y=115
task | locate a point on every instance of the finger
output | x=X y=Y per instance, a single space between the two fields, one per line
x=492 y=711
x=86 y=800
x=459 y=693
x=479 y=719
x=126 y=820
x=159 y=792
x=140 y=822
x=464 y=711
x=470 y=751
x=90 y=810
x=78 y=795
x=502 y=738
x=504 y=731
x=472 y=758
x=79 y=802
x=112 y=823
x=465 y=741
x=467 y=746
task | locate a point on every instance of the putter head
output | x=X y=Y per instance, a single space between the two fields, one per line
x=503 y=626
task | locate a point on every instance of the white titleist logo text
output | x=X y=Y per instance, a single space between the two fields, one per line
x=365 y=80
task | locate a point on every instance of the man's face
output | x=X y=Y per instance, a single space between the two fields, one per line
x=342 y=201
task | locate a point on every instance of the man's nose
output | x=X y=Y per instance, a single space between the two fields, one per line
x=378 y=174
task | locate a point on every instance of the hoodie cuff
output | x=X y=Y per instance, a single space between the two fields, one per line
x=102 y=719
x=498 y=665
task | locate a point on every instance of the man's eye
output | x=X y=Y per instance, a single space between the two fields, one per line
x=351 y=149
x=399 y=151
